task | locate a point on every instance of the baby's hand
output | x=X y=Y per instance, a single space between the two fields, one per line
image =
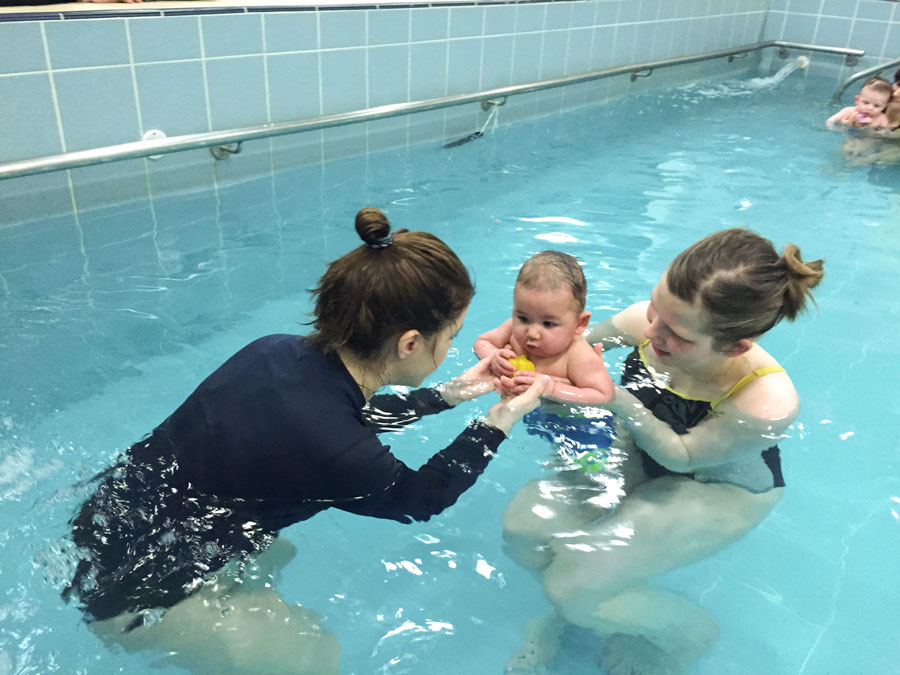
x=500 y=365
x=519 y=383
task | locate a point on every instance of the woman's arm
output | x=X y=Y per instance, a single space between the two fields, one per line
x=620 y=330
x=752 y=422
x=391 y=412
x=386 y=488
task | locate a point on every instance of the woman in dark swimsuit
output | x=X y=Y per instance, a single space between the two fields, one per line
x=699 y=409
x=176 y=542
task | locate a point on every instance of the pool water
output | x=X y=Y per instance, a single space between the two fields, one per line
x=112 y=318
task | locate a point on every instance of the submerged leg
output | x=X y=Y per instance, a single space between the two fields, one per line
x=234 y=627
x=544 y=508
x=542 y=639
x=597 y=580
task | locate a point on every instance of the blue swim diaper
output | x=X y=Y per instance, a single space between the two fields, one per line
x=581 y=438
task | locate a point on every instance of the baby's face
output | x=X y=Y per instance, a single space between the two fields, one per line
x=870 y=102
x=545 y=320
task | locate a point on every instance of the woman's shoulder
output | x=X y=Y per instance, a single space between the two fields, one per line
x=768 y=393
x=632 y=321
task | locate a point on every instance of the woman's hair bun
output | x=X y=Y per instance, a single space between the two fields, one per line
x=802 y=277
x=372 y=225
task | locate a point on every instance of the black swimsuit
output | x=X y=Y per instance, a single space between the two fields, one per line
x=680 y=412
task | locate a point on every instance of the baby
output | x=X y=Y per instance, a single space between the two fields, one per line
x=547 y=324
x=868 y=108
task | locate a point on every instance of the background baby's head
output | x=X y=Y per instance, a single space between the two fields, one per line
x=873 y=97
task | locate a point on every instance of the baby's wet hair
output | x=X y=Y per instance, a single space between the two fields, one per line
x=880 y=85
x=552 y=269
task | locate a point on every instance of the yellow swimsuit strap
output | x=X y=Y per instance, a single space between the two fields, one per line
x=713 y=402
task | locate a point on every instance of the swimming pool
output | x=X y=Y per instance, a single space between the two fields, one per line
x=112 y=319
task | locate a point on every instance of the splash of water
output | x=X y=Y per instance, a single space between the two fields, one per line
x=749 y=87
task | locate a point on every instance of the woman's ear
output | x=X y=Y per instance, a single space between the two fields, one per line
x=740 y=347
x=406 y=343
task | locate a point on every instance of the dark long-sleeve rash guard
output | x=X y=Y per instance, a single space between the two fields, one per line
x=283 y=424
x=276 y=434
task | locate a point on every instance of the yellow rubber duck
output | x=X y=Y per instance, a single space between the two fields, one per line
x=522 y=363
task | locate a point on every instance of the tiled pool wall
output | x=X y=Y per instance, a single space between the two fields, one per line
x=871 y=25
x=69 y=84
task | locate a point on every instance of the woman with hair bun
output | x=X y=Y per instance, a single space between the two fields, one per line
x=278 y=433
x=699 y=411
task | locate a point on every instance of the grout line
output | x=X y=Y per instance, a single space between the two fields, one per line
x=205 y=77
x=134 y=84
x=818 y=21
x=543 y=36
x=270 y=140
x=366 y=47
x=148 y=183
x=62 y=141
x=320 y=132
x=265 y=55
x=53 y=95
x=852 y=25
x=481 y=51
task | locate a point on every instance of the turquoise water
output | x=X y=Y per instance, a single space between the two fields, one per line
x=110 y=320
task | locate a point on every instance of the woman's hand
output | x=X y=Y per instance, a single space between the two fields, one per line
x=506 y=413
x=519 y=382
x=469 y=384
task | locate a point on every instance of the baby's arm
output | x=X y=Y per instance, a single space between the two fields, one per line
x=588 y=382
x=495 y=344
x=843 y=116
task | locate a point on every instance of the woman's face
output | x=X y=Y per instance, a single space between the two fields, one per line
x=677 y=331
x=427 y=355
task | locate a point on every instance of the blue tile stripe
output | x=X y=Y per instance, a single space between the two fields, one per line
x=195 y=11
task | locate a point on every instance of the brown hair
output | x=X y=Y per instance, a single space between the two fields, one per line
x=892 y=112
x=552 y=269
x=393 y=283
x=742 y=283
x=879 y=84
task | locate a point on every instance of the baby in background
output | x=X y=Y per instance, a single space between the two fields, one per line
x=868 y=108
x=881 y=145
x=547 y=326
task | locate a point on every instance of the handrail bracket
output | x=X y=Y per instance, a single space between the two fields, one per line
x=646 y=72
x=221 y=152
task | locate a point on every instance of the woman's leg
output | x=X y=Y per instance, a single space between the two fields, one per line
x=566 y=501
x=548 y=508
x=235 y=624
x=597 y=580
x=555 y=508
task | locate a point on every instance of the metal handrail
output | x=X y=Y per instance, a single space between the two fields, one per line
x=868 y=72
x=117 y=153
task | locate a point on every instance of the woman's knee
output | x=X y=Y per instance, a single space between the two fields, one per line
x=543 y=508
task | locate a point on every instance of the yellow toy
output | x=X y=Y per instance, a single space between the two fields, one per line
x=522 y=363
